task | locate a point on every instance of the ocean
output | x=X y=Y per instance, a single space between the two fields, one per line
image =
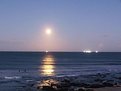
x=41 y=64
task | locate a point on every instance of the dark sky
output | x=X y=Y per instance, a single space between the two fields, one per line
x=76 y=25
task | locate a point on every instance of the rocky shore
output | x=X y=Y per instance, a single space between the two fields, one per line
x=74 y=83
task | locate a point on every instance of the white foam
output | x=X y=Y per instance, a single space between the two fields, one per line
x=12 y=77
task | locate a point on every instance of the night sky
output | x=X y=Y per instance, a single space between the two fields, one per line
x=76 y=25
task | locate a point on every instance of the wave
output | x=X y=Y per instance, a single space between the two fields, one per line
x=12 y=77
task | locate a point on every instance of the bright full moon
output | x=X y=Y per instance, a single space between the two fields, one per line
x=48 y=31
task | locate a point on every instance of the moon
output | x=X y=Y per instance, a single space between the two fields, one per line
x=48 y=31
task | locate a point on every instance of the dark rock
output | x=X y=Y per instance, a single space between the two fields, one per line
x=66 y=80
x=85 y=89
x=117 y=84
x=75 y=84
x=96 y=86
x=38 y=87
x=84 y=85
x=119 y=78
x=48 y=88
x=65 y=84
x=71 y=88
x=90 y=89
x=98 y=80
x=81 y=89
x=62 y=89
x=108 y=84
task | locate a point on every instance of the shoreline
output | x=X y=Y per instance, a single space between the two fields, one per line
x=97 y=82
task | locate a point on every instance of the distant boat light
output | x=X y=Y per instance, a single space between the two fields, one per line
x=96 y=51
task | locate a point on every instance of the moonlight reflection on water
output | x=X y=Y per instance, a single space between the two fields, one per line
x=47 y=67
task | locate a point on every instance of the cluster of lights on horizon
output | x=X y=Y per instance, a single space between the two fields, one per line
x=89 y=51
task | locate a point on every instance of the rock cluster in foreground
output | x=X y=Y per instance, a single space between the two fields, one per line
x=79 y=83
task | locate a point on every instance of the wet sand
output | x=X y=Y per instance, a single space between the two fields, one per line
x=108 y=89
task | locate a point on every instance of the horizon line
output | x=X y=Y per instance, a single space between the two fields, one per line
x=57 y=51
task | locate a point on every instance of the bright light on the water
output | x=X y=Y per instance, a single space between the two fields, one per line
x=47 y=67
x=48 y=31
x=48 y=70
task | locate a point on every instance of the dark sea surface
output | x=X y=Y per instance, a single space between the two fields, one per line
x=41 y=64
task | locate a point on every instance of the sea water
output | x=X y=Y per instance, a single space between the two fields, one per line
x=14 y=65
